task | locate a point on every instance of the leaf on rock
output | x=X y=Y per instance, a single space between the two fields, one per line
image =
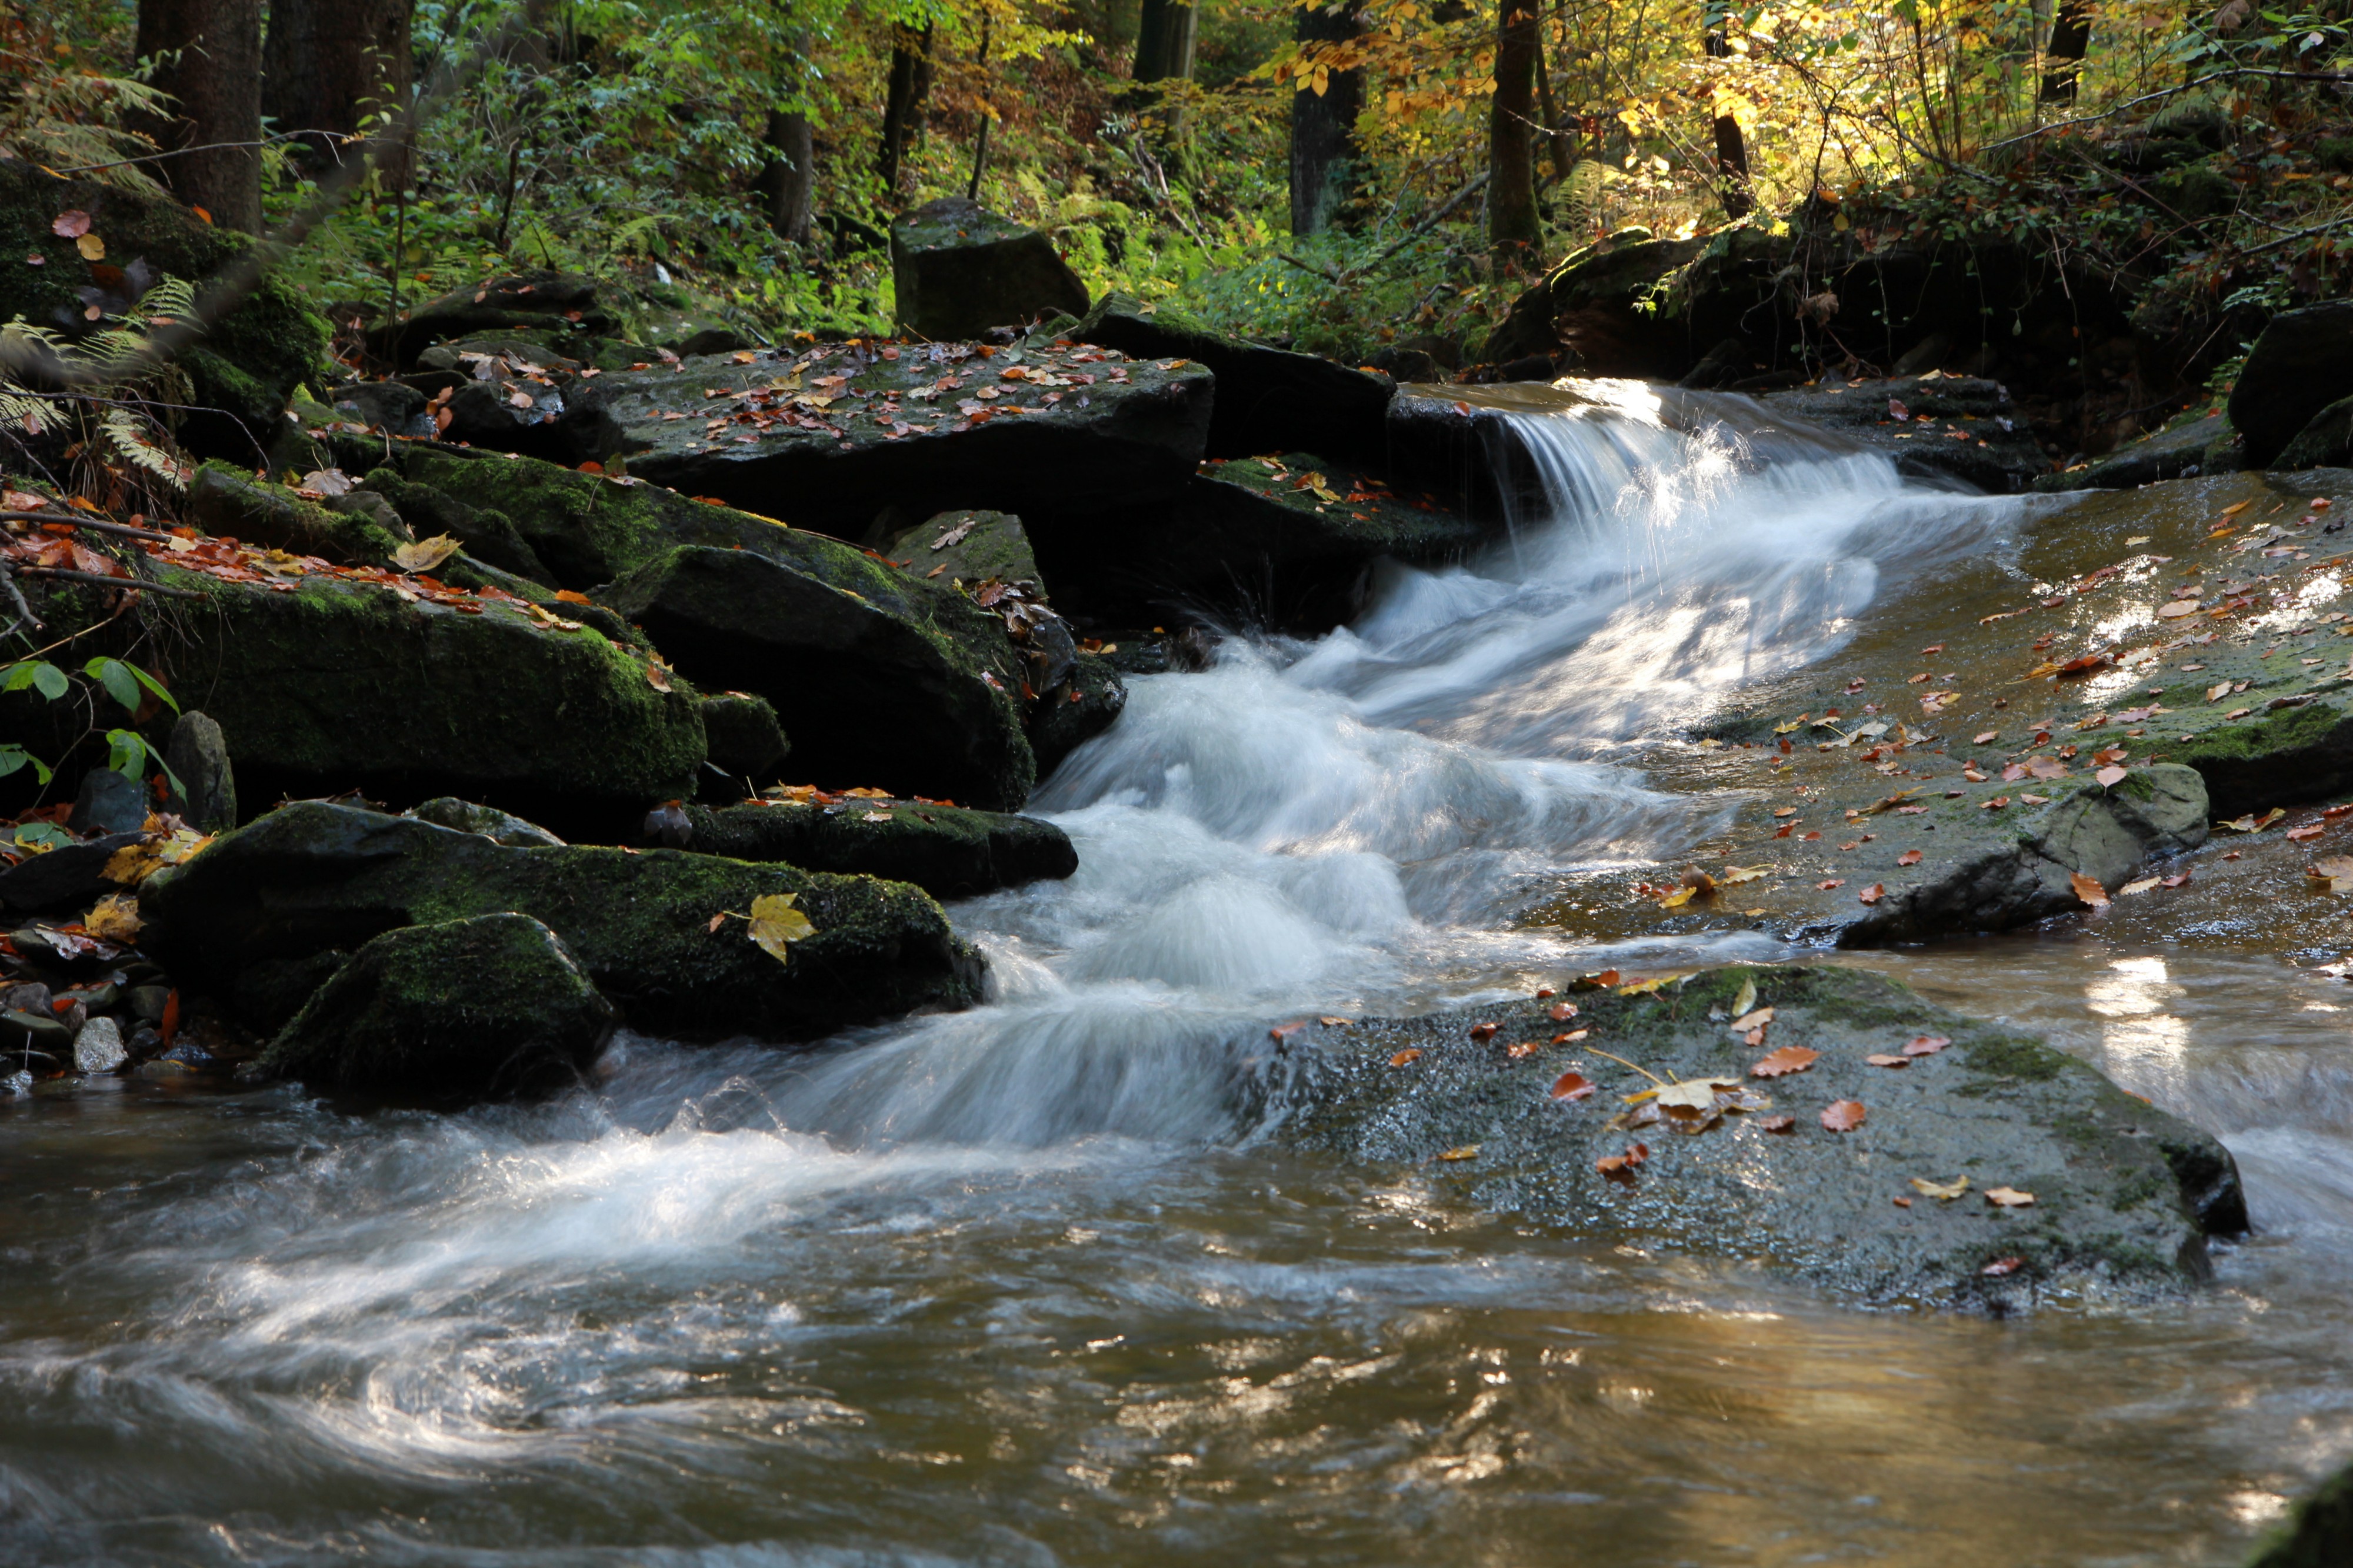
x=1784 y=1061
x=1925 y=1045
x=2088 y=890
x=1756 y=1019
x=1778 y=1123
x=776 y=924
x=92 y=248
x=2009 y=1197
x=70 y=225
x=2111 y=776
x=328 y=481
x=1573 y=1085
x=1561 y=1012
x=1484 y=1031
x=1943 y=1192
x=1743 y=1000
x=1620 y=1167
x=1407 y=1057
x=1873 y=893
x=1735 y=875
x=115 y=918
x=1882 y=1059
x=1466 y=1151
x=1844 y=1115
x=426 y=553
x=1909 y=858
x=1695 y=1094
x=2001 y=1266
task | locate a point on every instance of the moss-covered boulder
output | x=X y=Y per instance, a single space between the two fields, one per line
x=1598 y=306
x=461 y=1010
x=240 y=372
x=322 y=683
x=2179 y=451
x=957 y=269
x=950 y=852
x=966 y=546
x=227 y=501
x=554 y=307
x=2325 y=442
x=1269 y=400
x=746 y=740
x=882 y=681
x=2320 y=1535
x=660 y=932
x=2123 y=1196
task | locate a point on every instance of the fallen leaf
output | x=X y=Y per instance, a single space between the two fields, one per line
x=776 y=924
x=1467 y=1151
x=1407 y=1057
x=1571 y=1037
x=328 y=481
x=1743 y=1000
x=2008 y=1197
x=1943 y=1192
x=2303 y=834
x=2336 y=867
x=115 y=918
x=1284 y=1031
x=2141 y=885
x=2109 y=777
x=2088 y=890
x=1691 y=1093
x=1620 y=1167
x=1484 y=1031
x=2001 y=1266
x=1756 y=1018
x=70 y=225
x=1573 y=1085
x=1872 y=894
x=1882 y=1059
x=658 y=677
x=1735 y=875
x=92 y=248
x=1778 y=1123
x=1677 y=899
x=2180 y=880
x=426 y=553
x=1987 y=739
x=1844 y=1115
x=1332 y=1021
x=1561 y=1012
x=1521 y=1050
x=1783 y=1062
x=1909 y=858
x=1833 y=882
x=1925 y=1045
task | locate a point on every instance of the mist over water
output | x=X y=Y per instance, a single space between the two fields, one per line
x=1015 y=1286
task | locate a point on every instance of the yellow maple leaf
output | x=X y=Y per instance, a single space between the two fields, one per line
x=775 y=923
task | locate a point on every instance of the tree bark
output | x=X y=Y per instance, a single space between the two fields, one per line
x=1163 y=41
x=327 y=64
x=209 y=56
x=1512 y=214
x=909 y=83
x=1563 y=147
x=1731 y=147
x=2070 y=40
x=1324 y=171
x=788 y=182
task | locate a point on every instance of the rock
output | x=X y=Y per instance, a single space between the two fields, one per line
x=1269 y=400
x=2326 y=442
x=968 y=546
x=1591 y=307
x=197 y=755
x=2301 y=363
x=503 y=353
x=460 y=1010
x=684 y=333
x=498 y=826
x=265 y=996
x=327 y=684
x=2320 y=1535
x=99 y=1048
x=487 y=533
x=314 y=877
x=544 y=301
x=958 y=269
x=1089 y=701
x=882 y=681
x=948 y=851
x=832 y=456
x=2125 y=1195
x=240 y=372
x=2179 y=451
x=745 y=739
x=228 y=502
x=109 y=803
x=387 y=406
x=22 y=1030
x=530 y=419
x=1974 y=434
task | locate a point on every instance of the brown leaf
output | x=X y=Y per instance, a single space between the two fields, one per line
x=2111 y=776
x=1987 y=739
x=1784 y=1061
x=2088 y=890
x=1882 y=1059
x=1407 y=1057
x=1832 y=882
x=1620 y=1167
x=1873 y=893
x=1844 y=1115
x=1909 y=858
x=1484 y=1031
x=1521 y=1050
x=1560 y=1012
x=658 y=677
x=1284 y=1031
x=70 y=225
x=1925 y=1045
x=1467 y=1151
x=2301 y=834
x=1778 y=1123
x=2001 y=1266
x=1573 y=1085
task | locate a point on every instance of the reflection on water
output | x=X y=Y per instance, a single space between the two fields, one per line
x=1015 y=1286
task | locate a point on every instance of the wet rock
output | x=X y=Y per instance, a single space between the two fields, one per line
x=391 y=407
x=109 y=803
x=43 y=1032
x=330 y=684
x=1972 y=431
x=97 y=1049
x=746 y=740
x=1268 y=400
x=2179 y=451
x=2326 y=443
x=265 y=995
x=2320 y=1532
x=882 y=681
x=957 y=269
x=1591 y=307
x=948 y=851
x=2124 y=1195
x=2301 y=363
x=560 y=303
x=1089 y=699
x=227 y=501
x=487 y=533
x=529 y=419
x=936 y=428
x=459 y=1010
x=313 y=877
x=966 y=546
x=70 y=874
x=498 y=826
x=240 y=372
x=197 y=755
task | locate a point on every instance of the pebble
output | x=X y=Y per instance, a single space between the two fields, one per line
x=99 y=1048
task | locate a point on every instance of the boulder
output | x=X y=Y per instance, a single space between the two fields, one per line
x=498 y=826
x=745 y=737
x=1592 y=308
x=2325 y=442
x=2123 y=1195
x=2320 y=1535
x=197 y=754
x=881 y=679
x=1269 y=400
x=322 y=682
x=1079 y=437
x=240 y=372
x=1089 y=701
x=461 y=1010
x=948 y=851
x=2302 y=363
x=1954 y=426
x=658 y=932
x=2179 y=451
x=966 y=546
x=957 y=269
x=557 y=303
x=109 y=802
x=388 y=406
x=71 y=874
x=228 y=502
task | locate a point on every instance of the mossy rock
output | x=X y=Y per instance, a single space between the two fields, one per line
x=2125 y=1195
x=966 y=546
x=240 y=372
x=959 y=270
x=546 y=304
x=1089 y=701
x=314 y=876
x=950 y=852
x=745 y=737
x=2320 y=1532
x=228 y=502
x=330 y=684
x=461 y=1010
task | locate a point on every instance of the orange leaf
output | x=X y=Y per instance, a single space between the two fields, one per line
x=571 y=597
x=1484 y=1031
x=2088 y=890
x=1925 y=1046
x=1778 y=1123
x=1883 y=1060
x=1873 y=893
x=1573 y=1085
x=1620 y=1167
x=1788 y=1059
x=1909 y=858
x=1405 y=1057
x=1844 y=1115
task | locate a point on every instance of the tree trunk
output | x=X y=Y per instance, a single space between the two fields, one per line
x=789 y=182
x=211 y=64
x=2070 y=40
x=1324 y=173
x=903 y=108
x=1731 y=147
x=327 y=64
x=1563 y=147
x=1512 y=214
x=1164 y=42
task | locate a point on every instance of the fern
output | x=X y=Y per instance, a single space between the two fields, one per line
x=68 y=118
x=118 y=383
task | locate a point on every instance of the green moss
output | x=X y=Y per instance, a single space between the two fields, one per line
x=227 y=501
x=2291 y=729
x=948 y=851
x=2012 y=1056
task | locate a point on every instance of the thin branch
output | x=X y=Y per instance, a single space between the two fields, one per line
x=2313 y=77
x=1424 y=226
x=184 y=151
x=100 y=524
x=24 y=613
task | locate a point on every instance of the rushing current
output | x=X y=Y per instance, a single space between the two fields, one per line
x=1021 y=1285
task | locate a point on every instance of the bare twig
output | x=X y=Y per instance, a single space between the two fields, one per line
x=24 y=613
x=100 y=524
x=2316 y=78
x=1424 y=226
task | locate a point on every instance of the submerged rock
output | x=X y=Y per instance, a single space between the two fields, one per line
x=459 y=1010
x=2123 y=1196
x=948 y=851
x=660 y=932
x=958 y=269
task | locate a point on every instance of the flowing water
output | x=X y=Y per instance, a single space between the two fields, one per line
x=1020 y=1286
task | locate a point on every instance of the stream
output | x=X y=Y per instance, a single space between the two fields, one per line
x=1022 y=1286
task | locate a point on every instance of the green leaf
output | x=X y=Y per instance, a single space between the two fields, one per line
x=128 y=754
x=155 y=686
x=116 y=677
x=42 y=677
x=13 y=757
